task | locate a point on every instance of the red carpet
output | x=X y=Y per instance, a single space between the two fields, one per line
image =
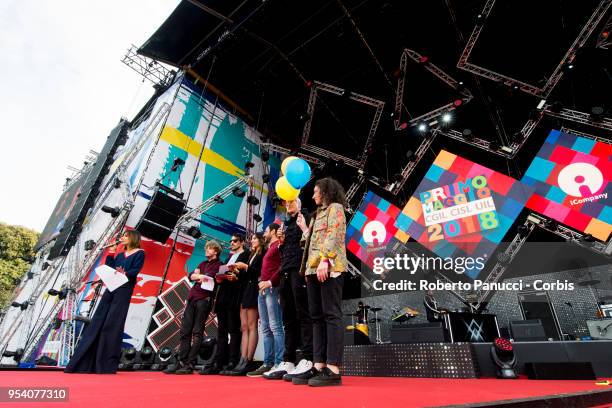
x=154 y=389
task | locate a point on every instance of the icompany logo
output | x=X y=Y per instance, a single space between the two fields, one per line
x=582 y=180
x=374 y=233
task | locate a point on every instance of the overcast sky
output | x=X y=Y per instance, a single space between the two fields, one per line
x=62 y=89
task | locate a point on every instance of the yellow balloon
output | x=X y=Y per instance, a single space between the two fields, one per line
x=285 y=191
x=286 y=162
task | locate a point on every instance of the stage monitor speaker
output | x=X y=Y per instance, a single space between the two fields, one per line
x=528 y=330
x=418 y=333
x=560 y=371
x=159 y=219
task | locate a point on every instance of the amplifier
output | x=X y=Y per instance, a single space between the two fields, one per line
x=418 y=333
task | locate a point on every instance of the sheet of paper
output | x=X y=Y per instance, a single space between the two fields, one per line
x=208 y=283
x=223 y=269
x=111 y=278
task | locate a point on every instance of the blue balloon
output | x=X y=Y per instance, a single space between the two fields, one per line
x=298 y=173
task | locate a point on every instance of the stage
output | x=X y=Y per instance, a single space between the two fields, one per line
x=155 y=389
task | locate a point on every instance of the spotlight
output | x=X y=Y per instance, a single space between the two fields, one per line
x=467 y=134
x=556 y=107
x=304 y=117
x=308 y=84
x=249 y=165
x=57 y=323
x=550 y=224
x=127 y=359
x=194 y=232
x=447 y=117
x=597 y=113
x=402 y=126
x=53 y=292
x=587 y=238
x=502 y=353
x=422 y=128
x=117 y=183
x=423 y=59
x=257 y=218
x=265 y=156
x=218 y=199
x=515 y=87
x=346 y=94
x=238 y=192
x=457 y=102
x=265 y=178
x=480 y=19
x=89 y=244
x=523 y=230
x=22 y=306
x=146 y=358
x=113 y=211
x=30 y=275
x=568 y=67
x=17 y=354
x=16 y=304
x=81 y=318
x=252 y=200
x=177 y=162
x=165 y=353
x=45 y=265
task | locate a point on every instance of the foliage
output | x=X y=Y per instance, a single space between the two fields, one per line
x=16 y=253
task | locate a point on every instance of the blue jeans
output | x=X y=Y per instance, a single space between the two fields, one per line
x=271 y=319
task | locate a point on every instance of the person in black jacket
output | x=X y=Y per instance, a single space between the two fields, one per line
x=227 y=308
x=248 y=275
x=294 y=299
x=100 y=347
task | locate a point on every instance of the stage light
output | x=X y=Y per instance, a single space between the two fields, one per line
x=467 y=134
x=113 y=211
x=265 y=156
x=116 y=183
x=597 y=113
x=238 y=192
x=194 y=232
x=249 y=165
x=45 y=265
x=53 y=292
x=422 y=128
x=423 y=59
x=515 y=87
x=177 y=162
x=16 y=304
x=523 y=230
x=265 y=178
x=252 y=200
x=402 y=126
x=304 y=117
x=556 y=107
x=30 y=275
x=502 y=354
x=480 y=19
x=447 y=117
x=257 y=218
x=22 y=306
x=550 y=224
x=458 y=102
x=89 y=244
x=165 y=353
x=17 y=354
x=218 y=199
x=57 y=323
x=81 y=318
x=568 y=67
x=127 y=358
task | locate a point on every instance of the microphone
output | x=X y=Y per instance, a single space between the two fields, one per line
x=112 y=244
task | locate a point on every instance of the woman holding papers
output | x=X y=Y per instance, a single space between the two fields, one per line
x=100 y=347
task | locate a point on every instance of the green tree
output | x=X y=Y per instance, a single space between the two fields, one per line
x=16 y=252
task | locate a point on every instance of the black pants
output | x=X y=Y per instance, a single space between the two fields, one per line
x=192 y=326
x=325 y=304
x=296 y=316
x=228 y=334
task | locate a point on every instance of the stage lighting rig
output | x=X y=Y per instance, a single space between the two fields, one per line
x=238 y=192
x=252 y=200
x=177 y=163
x=502 y=353
x=113 y=211
x=447 y=118
x=22 y=306
x=422 y=128
x=127 y=359
x=194 y=232
x=17 y=354
x=257 y=218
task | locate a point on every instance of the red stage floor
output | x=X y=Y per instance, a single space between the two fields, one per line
x=154 y=389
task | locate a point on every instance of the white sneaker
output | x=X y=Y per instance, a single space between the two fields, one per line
x=278 y=372
x=303 y=366
x=274 y=368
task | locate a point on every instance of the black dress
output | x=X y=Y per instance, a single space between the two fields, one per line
x=249 y=282
x=99 y=350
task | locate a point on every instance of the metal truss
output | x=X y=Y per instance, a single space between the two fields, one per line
x=565 y=129
x=438 y=73
x=570 y=235
x=504 y=259
x=397 y=185
x=552 y=81
x=579 y=117
x=212 y=201
x=150 y=69
x=366 y=100
x=270 y=147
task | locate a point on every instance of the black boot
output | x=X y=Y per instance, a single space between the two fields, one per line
x=237 y=367
x=210 y=369
x=242 y=370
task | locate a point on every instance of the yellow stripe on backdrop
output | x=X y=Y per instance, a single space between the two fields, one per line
x=179 y=139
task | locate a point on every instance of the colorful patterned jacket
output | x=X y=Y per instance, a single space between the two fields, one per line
x=327 y=241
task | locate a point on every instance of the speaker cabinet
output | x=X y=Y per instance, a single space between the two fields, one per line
x=418 y=333
x=162 y=213
x=560 y=371
x=528 y=330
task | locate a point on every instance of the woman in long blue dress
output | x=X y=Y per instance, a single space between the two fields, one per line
x=99 y=350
